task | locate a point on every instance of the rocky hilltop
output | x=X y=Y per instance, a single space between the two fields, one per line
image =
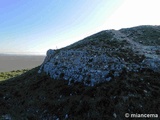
x=105 y=55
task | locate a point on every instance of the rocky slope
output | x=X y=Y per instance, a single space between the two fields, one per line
x=105 y=56
x=132 y=85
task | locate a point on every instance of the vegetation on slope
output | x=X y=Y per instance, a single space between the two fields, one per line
x=36 y=96
x=100 y=36
x=104 y=42
x=147 y=35
x=14 y=73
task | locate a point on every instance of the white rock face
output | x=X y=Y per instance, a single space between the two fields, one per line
x=80 y=66
x=153 y=64
x=100 y=58
x=49 y=53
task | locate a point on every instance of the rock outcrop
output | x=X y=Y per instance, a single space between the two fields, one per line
x=98 y=58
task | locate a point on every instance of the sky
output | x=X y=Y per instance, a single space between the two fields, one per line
x=34 y=26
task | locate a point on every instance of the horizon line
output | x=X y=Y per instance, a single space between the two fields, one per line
x=22 y=53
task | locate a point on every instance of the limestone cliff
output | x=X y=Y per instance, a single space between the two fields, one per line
x=105 y=56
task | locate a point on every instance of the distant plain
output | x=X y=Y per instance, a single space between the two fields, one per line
x=17 y=62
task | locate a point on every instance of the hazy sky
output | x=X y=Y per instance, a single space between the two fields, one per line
x=34 y=26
